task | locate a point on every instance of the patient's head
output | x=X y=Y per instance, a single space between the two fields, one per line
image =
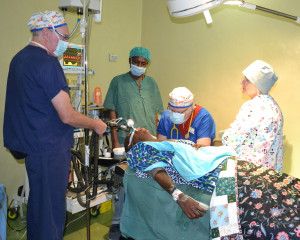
x=140 y=135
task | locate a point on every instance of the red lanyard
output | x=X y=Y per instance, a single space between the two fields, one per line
x=185 y=128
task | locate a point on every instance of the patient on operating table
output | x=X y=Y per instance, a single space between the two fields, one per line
x=168 y=162
x=248 y=201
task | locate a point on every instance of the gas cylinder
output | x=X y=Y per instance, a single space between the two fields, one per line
x=98 y=96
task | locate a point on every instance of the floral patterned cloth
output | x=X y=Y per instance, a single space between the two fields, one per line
x=256 y=134
x=269 y=203
x=142 y=156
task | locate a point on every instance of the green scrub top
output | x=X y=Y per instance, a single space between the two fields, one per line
x=130 y=102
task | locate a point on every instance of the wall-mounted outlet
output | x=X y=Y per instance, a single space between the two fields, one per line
x=113 y=57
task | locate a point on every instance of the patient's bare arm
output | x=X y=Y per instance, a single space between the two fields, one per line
x=163 y=179
x=140 y=135
x=191 y=207
x=202 y=142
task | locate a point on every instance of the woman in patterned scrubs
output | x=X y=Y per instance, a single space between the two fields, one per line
x=256 y=133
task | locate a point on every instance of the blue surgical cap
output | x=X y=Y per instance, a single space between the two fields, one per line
x=140 y=52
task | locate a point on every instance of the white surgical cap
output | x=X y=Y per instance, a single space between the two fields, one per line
x=46 y=19
x=261 y=74
x=181 y=97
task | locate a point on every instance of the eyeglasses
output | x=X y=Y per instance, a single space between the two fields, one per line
x=64 y=36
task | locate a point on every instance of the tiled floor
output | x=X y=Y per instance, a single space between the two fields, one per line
x=75 y=227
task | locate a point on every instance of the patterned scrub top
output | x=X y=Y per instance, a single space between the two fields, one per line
x=256 y=134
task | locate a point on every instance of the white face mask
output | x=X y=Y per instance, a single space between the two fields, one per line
x=136 y=70
x=177 y=118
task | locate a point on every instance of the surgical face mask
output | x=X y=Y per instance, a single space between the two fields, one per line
x=61 y=45
x=177 y=118
x=136 y=70
x=60 y=48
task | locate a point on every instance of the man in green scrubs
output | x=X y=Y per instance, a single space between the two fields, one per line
x=132 y=95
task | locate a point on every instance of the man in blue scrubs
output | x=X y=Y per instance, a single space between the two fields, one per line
x=39 y=120
x=184 y=120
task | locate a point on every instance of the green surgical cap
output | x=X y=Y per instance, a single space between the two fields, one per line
x=140 y=52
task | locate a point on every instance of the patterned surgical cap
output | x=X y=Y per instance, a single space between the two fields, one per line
x=181 y=97
x=46 y=19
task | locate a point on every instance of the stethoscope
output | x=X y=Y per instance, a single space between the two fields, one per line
x=174 y=128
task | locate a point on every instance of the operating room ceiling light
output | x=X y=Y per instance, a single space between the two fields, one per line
x=185 y=8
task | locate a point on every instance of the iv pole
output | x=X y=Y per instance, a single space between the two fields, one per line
x=84 y=35
x=84 y=8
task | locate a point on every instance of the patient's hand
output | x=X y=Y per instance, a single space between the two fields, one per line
x=202 y=142
x=197 y=146
x=142 y=134
x=191 y=207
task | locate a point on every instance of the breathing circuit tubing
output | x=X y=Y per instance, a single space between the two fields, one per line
x=88 y=178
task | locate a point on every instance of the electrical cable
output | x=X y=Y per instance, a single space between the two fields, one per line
x=94 y=183
x=23 y=235
x=75 y=28
x=15 y=229
x=74 y=220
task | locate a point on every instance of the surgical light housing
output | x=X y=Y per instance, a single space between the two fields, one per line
x=185 y=8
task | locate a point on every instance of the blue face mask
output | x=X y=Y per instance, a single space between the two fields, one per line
x=61 y=45
x=177 y=118
x=136 y=70
x=60 y=48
